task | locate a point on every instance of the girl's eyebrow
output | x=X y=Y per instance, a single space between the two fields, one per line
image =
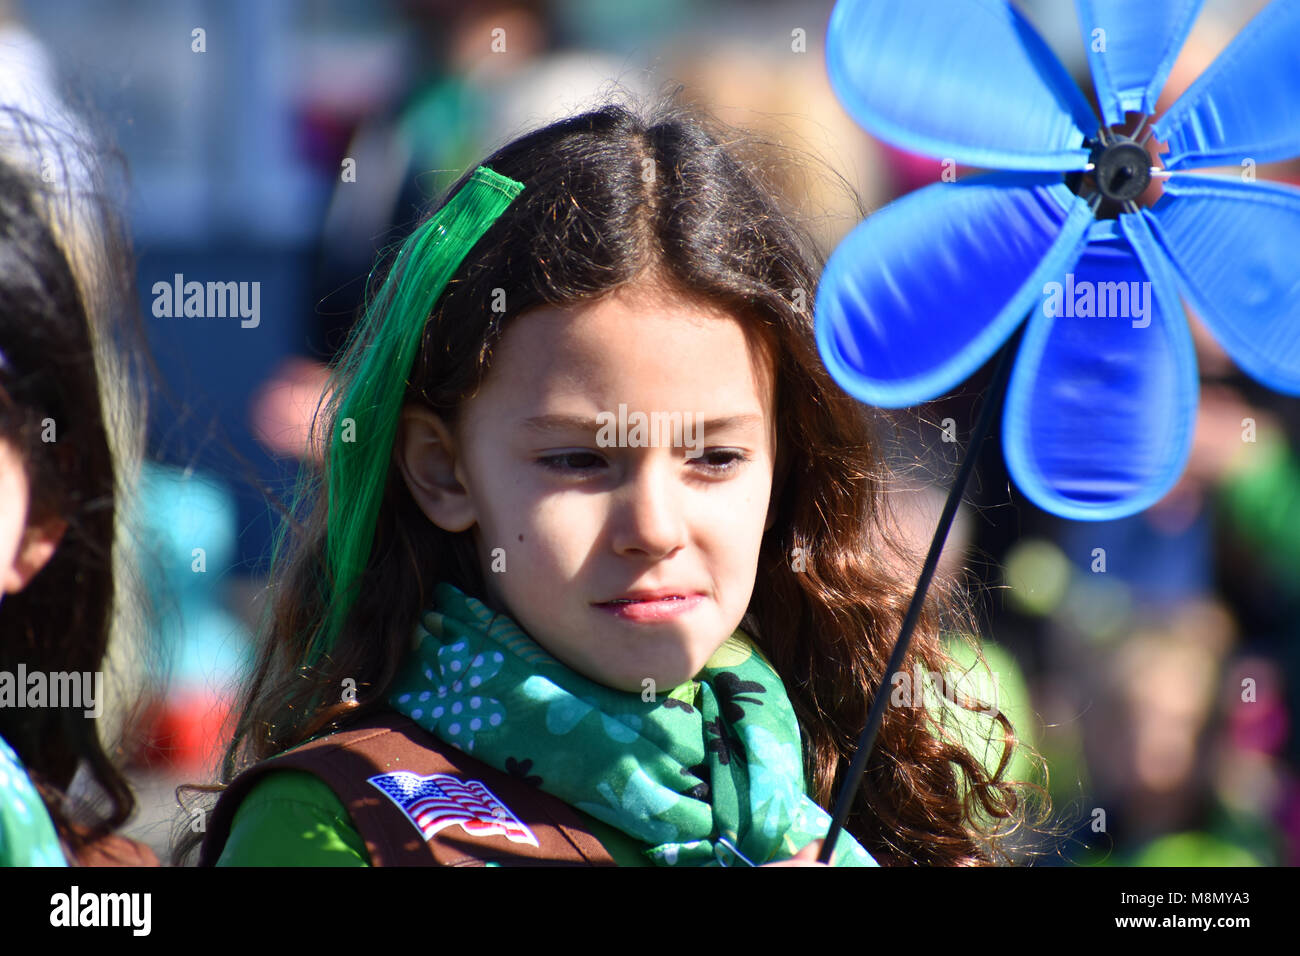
x=561 y=423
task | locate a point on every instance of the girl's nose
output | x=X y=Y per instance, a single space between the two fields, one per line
x=648 y=513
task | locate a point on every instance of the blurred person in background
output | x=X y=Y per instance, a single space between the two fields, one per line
x=477 y=74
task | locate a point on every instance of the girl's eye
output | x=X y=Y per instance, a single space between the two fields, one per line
x=714 y=462
x=730 y=461
x=563 y=462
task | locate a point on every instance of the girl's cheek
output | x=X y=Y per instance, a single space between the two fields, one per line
x=561 y=547
x=745 y=507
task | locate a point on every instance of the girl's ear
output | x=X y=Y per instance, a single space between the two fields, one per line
x=432 y=469
x=38 y=544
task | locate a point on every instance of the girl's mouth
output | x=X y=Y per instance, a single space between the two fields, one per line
x=652 y=610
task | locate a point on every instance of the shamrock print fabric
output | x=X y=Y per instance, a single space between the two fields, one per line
x=451 y=700
x=710 y=774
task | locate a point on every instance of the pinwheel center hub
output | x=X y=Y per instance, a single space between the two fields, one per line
x=1122 y=170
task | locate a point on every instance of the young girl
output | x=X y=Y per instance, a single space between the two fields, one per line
x=529 y=616
x=60 y=464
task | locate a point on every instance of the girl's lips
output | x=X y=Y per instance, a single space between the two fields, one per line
x=654 y=610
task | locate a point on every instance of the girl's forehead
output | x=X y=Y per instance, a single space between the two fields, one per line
x=649 y=355
x=669 y=348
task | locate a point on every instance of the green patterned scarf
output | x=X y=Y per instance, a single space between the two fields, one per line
x=710 y=774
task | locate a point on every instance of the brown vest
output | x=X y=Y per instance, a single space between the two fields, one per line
x=389 y=742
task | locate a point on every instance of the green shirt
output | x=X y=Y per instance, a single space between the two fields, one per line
x=27 y=834
x=293 y=818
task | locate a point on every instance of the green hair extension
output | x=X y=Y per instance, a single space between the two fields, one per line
x=393 y=326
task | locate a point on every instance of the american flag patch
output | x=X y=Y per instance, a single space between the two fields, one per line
x=441 y=800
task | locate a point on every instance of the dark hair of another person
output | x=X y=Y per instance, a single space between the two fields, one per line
x=62 y=620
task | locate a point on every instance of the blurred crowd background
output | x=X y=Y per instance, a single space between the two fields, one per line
x=1160 y=690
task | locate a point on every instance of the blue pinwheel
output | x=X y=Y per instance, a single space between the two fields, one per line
x=1102 y=399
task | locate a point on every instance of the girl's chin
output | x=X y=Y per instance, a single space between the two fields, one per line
x=651 y=684
x=630 y=663
x=657 y=681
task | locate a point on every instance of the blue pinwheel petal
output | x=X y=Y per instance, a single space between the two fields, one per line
x=968 y=80
x=1234 y=246
x=1131 y=49
x=923 y=292
x=1246 y=105
x=1101 y=408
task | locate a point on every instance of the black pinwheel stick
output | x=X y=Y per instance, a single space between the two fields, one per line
x=867 y=740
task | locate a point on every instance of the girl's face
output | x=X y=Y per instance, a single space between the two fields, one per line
x=24 y=548
x=13 y=513
x=565 y=523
